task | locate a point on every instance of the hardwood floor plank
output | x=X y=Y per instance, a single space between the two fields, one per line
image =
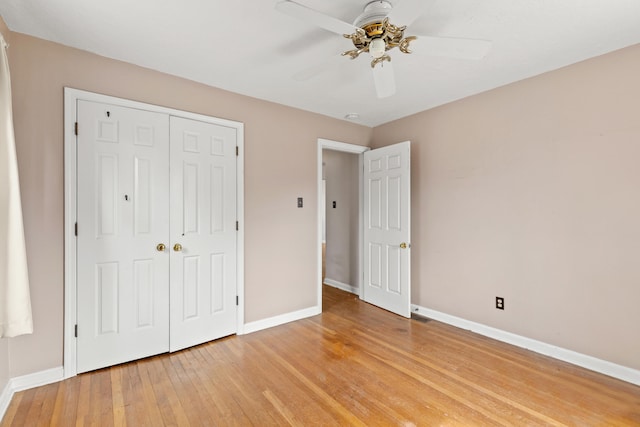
x=347 y=415
x=357 y=359
x=468 y=384
x=136 y=413
x=117 y=395
x=222 y=403
x=65 y=411
x=149 y=396
x=13 y=409
x=242 y=398
x=254 y=371
x=353 y=365
x=36 y=397
x=341 y=367
x=182 y=384
x=167 y=399
x=178 y=394
x=48 y=404
x=84 y=396
x=58 y=404
x=283 y=409
x=546 y=386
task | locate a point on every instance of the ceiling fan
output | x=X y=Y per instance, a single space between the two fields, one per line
x=374 y=32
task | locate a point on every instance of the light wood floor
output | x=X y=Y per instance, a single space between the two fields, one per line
x=353 y=365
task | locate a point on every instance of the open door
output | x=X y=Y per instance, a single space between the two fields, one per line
x=387 y=228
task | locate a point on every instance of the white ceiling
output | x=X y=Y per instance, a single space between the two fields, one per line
x=248 y=47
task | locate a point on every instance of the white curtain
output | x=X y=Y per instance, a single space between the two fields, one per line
x=15 y=303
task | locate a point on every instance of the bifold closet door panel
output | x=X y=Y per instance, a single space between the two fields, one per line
x=203 y=232
x=123 y=217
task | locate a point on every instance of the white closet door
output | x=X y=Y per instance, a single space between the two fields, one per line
x=203 y=232
x=123 y=212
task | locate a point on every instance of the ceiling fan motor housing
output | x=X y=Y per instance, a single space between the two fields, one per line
x=371 y=20
x=374 y=13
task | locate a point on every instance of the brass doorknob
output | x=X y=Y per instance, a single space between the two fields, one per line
x=177 y=247
x=403 y=245
x=161 y=247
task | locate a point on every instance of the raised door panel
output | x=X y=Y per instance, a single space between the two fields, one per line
x=218 y=289
x=143 y=191
x=144 y=293
x=189 y=199
x=107 y=283
x=106 y=211
x=190 y=287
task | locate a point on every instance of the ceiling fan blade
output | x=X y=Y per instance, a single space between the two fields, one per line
x=406 y=11
x=384 y=79
x=303 y=13
x=451 y=47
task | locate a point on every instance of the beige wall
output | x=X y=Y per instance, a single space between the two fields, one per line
x=341 y=173
x=280 y=256
x=4 y=342
x=532 y=192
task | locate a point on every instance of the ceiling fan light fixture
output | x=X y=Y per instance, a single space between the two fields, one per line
x=377 y=47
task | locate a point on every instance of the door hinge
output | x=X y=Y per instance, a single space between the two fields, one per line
x=237 y=300
x=237 y=151
x=76 y=128
x=75 y=332
x=76 y=229
x=237 y=226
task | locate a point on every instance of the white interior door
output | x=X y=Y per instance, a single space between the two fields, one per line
x=387 y=228
x=123 y=212
x=203 y=226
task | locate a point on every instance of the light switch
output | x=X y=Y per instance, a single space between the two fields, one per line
x=299 y=202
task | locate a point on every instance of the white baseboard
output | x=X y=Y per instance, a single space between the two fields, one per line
x=5 y=400
x=259 y=325
x=26 y=382
x=340 y=285
x=594 y=364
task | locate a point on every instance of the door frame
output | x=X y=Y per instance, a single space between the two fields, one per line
x=327 y=144
x=71 y=98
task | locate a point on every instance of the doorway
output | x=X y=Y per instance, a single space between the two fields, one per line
x=341 y=220
x=349 y=155
x=383 y=274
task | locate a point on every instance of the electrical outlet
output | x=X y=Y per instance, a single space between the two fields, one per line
x=300 y=204
x=500 y=303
